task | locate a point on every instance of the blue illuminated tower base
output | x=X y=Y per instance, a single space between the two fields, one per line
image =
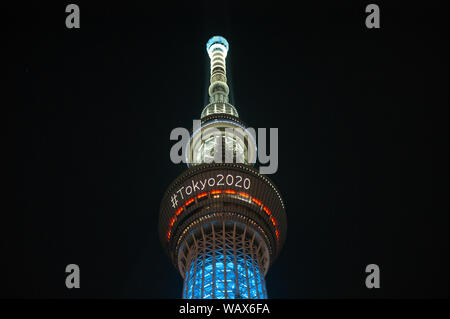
x=225 y=260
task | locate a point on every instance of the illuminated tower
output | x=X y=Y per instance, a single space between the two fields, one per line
x=222 y=222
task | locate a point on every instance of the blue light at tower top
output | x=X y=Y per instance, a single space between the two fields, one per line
x=217 y=39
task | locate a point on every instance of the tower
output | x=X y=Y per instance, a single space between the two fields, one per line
x=221 y=222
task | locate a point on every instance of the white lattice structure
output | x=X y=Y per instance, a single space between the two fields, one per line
x=224 y=260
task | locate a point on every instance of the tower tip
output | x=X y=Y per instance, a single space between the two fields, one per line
x=218 y=40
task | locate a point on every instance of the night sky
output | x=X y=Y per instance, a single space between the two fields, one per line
x=363 y=141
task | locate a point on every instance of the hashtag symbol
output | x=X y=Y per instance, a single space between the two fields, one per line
x=174 y=200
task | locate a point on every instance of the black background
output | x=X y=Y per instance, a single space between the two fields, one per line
x=363 y=141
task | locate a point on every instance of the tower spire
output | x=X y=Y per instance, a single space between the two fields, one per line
x=217 y=48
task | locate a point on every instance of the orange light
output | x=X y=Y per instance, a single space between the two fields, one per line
x=257 y=202
x=244 y=195
x=179 y=210
x=274 y=222
x=219 y=191
x=202 y=195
